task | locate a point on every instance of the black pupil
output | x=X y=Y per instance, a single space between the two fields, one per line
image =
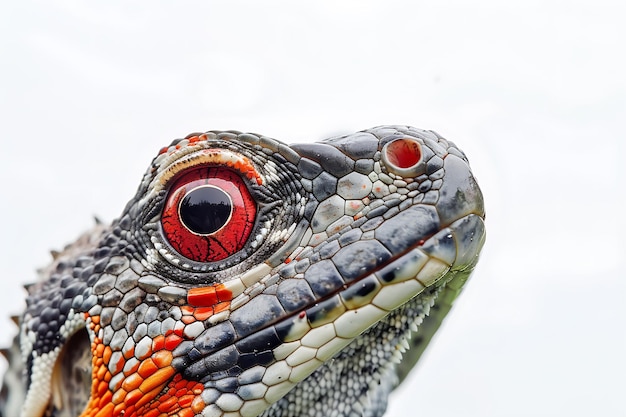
x=205 y=210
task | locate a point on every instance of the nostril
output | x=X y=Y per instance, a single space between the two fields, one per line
x=403 y=156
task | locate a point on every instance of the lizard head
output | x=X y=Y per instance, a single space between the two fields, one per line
x=245 y=274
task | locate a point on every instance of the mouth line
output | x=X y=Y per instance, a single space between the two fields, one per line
x=421 y=243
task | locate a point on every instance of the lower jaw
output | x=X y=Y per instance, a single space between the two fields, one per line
x=408 y=306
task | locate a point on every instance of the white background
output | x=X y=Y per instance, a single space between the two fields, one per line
x=533 y=91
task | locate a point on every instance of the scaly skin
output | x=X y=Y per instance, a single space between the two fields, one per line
x=248 y=277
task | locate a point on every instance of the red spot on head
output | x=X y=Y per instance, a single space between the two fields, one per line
x=172 y=341
x=223 y=293
x=202 y=296
x=208 y=296
x=403 y=153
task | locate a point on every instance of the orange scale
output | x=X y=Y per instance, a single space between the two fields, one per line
x=132 y=369
x=186 y=385
x=187 y=310
x=152 y=413
x=102 y=388
x=105 y=400
x=119 y=366
x=202 y=296
x=222 y=306
x=148 y=397
x=132 y=382
x=196 y=387
x=164 y=397
x=133 y=397
x=121 y=408
x=162 y=358
x=118 y=385
x=181 y=392
x=105 y=411
x=185 y=401
x=146 y=355
x=188 y=319
x=106 y=354
x=166 y=405
x=147 y=368
x=129 y=353
x=172 y=341
x=223 y=293
x=186 y=413
x=203 y=313
x=197 y=405
x=158 y=343
x=102 y=370
x=132 y=411
x=157 y=380
x=120 y=396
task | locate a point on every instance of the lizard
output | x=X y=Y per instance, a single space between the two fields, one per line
x=249 y=277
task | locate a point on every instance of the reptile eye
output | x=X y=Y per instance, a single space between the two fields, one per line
x=403 y=157
x=208 y=214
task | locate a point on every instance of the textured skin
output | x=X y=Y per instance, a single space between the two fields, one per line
x=302 y=308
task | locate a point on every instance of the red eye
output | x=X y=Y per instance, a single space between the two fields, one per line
x=209 y=214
